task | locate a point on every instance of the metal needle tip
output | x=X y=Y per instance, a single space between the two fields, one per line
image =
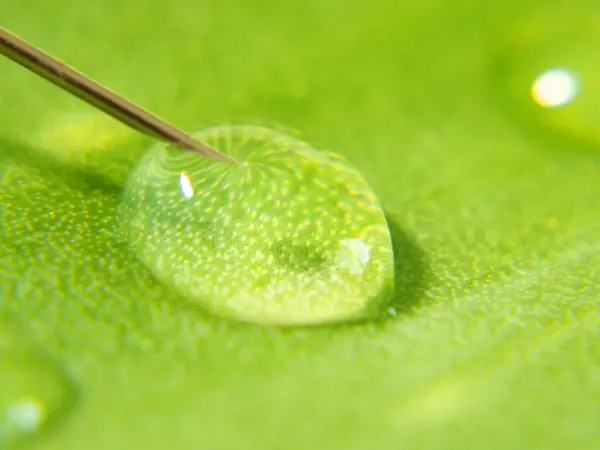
x=97 y=95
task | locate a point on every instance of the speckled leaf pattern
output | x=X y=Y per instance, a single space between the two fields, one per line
x=495 y=224
x=289 y=236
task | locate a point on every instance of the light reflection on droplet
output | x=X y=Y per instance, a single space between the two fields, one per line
x=354 y=255
x=555 y=87
x=186 y=185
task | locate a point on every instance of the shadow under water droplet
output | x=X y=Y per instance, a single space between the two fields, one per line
x=411 y=269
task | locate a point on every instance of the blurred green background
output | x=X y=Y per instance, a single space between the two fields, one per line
x=494 y=209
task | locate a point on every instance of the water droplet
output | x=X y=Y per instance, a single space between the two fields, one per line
x=552 y=70
x=34 y=388
x=291 y=236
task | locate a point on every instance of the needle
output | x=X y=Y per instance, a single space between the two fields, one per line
x=93 y=93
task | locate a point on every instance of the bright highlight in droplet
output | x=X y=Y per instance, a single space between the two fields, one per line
x=186 y=185
x=555 y=87
x=355 y=255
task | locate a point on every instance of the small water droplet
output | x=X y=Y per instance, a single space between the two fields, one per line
x=34 y=388
x=552 y=70
x=292 y=236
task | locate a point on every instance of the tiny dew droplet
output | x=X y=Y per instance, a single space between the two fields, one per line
x=552 y=71
x=34 y=388
x=290 y=236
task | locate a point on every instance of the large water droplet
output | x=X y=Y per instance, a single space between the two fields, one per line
x=290 y=236
x=34 y=388
x=553 y=71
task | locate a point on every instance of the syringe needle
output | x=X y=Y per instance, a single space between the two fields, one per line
x=97 y=95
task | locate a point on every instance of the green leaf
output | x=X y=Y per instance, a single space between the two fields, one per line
x=495 y=225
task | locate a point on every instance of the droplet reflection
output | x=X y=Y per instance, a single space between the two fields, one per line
x=354 y=255
x=186 y=185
